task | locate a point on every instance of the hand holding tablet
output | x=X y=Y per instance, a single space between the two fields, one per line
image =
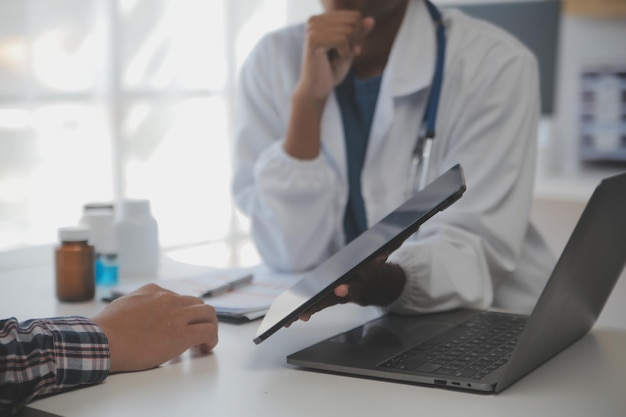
x=359 y=263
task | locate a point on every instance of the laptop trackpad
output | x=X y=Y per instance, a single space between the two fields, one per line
x=367 y=345
x=396 y=333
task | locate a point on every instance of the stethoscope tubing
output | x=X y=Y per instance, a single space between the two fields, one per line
x=420 y=161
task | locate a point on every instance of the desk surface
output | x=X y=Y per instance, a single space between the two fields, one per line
x=242 y=379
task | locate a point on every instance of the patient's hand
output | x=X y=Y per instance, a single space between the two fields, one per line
x=153 y=325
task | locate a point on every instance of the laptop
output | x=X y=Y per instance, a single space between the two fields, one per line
x=384 y=236
x=487 y=351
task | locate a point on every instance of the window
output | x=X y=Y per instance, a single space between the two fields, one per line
x=104 y=99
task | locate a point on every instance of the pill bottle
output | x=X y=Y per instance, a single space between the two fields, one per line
x=102 y=237
x=75 y=265
x=137 y=236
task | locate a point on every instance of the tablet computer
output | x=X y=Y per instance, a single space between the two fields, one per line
x=384 y=236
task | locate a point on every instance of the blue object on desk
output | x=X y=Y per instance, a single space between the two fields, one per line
x=106 y=270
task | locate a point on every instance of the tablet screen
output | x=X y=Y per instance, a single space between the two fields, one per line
x=384 y=236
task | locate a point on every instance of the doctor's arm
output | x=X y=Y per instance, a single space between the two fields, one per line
x=461 y=256
x=332 y=42
x=284 y=181
x=292 y=204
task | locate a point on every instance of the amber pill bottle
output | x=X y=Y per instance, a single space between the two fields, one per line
x=75 y=265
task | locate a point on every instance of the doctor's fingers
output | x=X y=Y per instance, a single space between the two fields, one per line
x=364 y=284
x=328 y=300
x=337 y=31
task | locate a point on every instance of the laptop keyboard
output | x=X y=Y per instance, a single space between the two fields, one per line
x=471 y=350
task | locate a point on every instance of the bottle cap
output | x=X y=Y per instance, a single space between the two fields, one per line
x=101 y=230
x=97 y=220
x=134 y=207
x=97 y=206
x=73 y=234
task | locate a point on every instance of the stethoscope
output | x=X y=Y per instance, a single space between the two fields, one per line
x=420 y=160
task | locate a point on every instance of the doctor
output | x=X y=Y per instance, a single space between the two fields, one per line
x=328 y=120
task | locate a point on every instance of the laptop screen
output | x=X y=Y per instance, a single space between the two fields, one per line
x=384 y=236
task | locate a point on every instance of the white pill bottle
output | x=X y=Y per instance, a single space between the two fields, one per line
x=137 y=236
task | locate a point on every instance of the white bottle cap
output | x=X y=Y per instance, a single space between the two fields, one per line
x=101 y=231
x=134 y=207
x=73 y=234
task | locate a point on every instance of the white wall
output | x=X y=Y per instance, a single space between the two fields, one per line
x=300 y=10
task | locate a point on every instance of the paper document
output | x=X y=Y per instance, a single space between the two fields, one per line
x=199 y=285
x=238 y=295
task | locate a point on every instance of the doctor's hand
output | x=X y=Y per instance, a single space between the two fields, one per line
x=333 y=40
x=377 y=283
x=152 y=325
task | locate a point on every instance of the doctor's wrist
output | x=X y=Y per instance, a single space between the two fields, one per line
x=311 y=104
x=302 y=140
x=383 y=287
x=395 y=277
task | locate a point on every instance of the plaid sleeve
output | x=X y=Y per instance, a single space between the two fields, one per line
x=44 y=356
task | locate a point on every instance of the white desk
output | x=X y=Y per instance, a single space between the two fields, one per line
x=243 y=379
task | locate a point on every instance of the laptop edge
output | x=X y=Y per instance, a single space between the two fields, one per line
x=570 y=304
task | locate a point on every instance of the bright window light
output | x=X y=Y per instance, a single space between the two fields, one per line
x=106 y=99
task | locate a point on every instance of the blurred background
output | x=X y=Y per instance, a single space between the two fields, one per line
x=109 y=99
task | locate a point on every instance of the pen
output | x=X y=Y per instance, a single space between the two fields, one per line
x=229 y=286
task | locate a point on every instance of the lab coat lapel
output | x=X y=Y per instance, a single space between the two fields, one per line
x=409 y=69
x=381 y=124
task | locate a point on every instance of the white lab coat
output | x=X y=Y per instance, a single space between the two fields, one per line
x=482 y=251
